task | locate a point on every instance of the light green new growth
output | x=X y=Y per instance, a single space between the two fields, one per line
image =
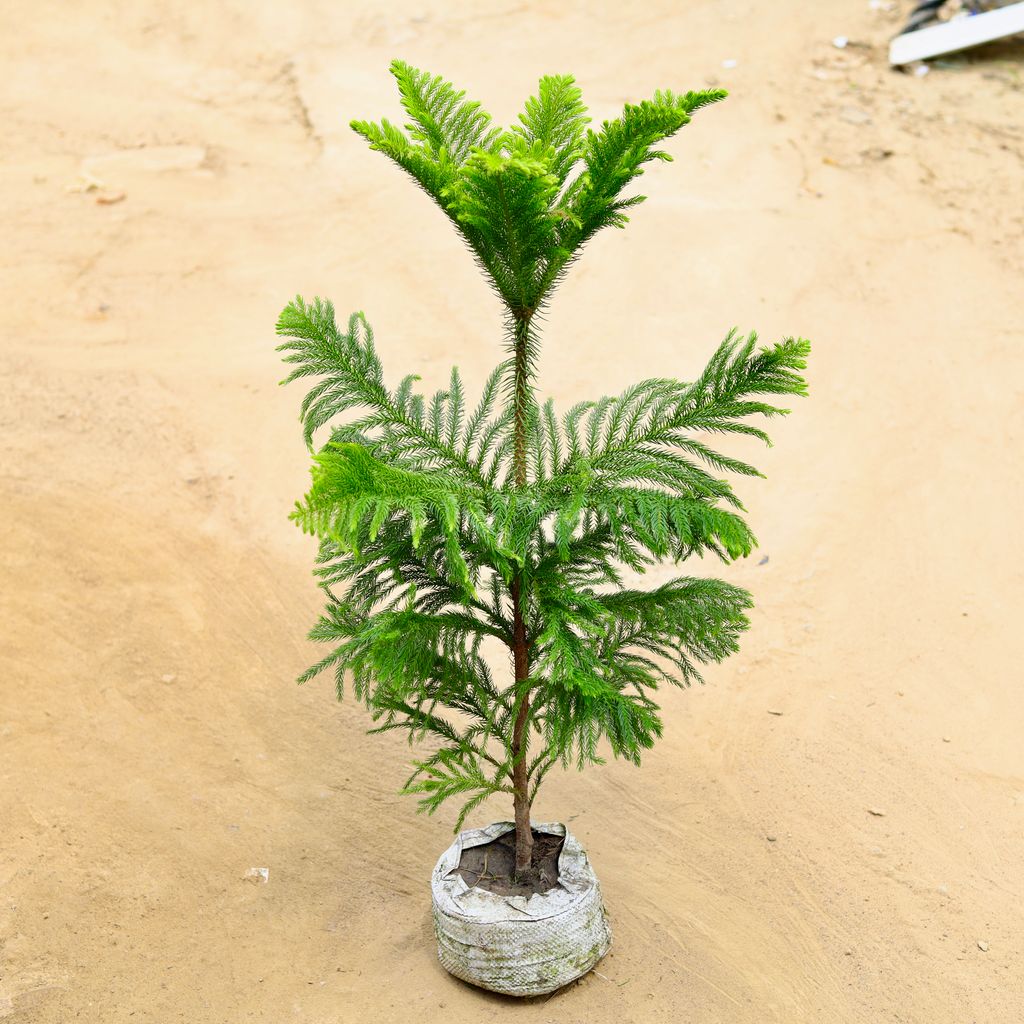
x=443 y=525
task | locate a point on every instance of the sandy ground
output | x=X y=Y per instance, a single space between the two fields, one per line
x=153 y=747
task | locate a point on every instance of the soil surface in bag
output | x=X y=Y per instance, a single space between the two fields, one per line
x=492 y=865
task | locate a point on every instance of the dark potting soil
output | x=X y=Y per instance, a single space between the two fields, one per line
x=492 y=866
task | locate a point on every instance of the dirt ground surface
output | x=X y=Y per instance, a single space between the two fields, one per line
x=833 y=827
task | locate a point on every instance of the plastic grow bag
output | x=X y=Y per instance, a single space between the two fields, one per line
x=518 y=945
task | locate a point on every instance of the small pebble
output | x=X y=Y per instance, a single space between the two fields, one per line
x=876 y=812
x=854 y=115
x=946 y=739
x=771 y=839
x=772 y=711
x=982 y=945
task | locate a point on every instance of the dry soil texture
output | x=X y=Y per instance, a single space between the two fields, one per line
x=172 y=174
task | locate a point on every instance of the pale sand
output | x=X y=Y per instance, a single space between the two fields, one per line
x=153 y=745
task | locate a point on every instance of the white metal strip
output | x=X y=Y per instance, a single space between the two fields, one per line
x=957 y=34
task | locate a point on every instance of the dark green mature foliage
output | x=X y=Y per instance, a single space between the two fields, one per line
x=444 y=524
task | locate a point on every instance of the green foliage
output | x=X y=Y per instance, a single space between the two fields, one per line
x=444 y=528
x=526 y=200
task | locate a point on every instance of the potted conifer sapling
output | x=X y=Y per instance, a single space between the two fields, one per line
x=448 y=527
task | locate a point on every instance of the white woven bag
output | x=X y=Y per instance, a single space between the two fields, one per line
x=518 y=945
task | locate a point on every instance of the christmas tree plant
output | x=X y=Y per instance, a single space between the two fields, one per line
x=444 y=523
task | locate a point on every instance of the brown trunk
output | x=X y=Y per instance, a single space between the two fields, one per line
x=520 y=782
x=520 y=644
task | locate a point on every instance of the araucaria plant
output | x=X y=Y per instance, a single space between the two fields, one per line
x=448 y=527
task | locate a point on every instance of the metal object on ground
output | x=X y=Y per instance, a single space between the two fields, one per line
x=920 y=43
